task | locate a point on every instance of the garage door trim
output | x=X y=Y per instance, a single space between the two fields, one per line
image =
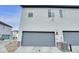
x=70 y=31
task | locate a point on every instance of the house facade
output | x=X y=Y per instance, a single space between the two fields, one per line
x=5 y=31
x=46 y=25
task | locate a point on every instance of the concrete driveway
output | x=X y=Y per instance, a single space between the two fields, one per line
x=23 y=49
x=2 y=47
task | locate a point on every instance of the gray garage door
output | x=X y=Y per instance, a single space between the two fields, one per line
x=38 y=39
x=71 y=37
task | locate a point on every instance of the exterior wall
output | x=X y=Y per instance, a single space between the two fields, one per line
x=41 y=22
x=4 y=30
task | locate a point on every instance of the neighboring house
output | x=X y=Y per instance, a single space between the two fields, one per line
x=15 y=34
x=46 y=25
x=5 y=31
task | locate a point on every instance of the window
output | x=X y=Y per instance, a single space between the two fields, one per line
x=30 y=14
x=5 y=36
x=49 y=13
x=61 y=13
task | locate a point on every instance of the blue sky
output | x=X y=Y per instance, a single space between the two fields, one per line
x=10 y=14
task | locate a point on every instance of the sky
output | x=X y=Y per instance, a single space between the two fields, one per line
x=11 y=15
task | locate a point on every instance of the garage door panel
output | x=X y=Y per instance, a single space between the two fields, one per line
x=38 y=39
x=71 y=37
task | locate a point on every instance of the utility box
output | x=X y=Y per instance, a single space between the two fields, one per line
x=63 y=46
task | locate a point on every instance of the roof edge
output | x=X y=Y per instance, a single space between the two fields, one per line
x=5 y=24
x=50 y=6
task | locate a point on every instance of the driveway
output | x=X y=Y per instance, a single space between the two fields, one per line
x=23 y=49
x=2 y=47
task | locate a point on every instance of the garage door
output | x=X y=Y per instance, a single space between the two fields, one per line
x=71 y=37
x=38 y=39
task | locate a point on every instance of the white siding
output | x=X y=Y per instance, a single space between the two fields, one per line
x=4 y=29
x=41 y=22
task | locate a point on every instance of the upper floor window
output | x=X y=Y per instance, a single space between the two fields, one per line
x=30 y=14
x=49 y=12
x=61 y=13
